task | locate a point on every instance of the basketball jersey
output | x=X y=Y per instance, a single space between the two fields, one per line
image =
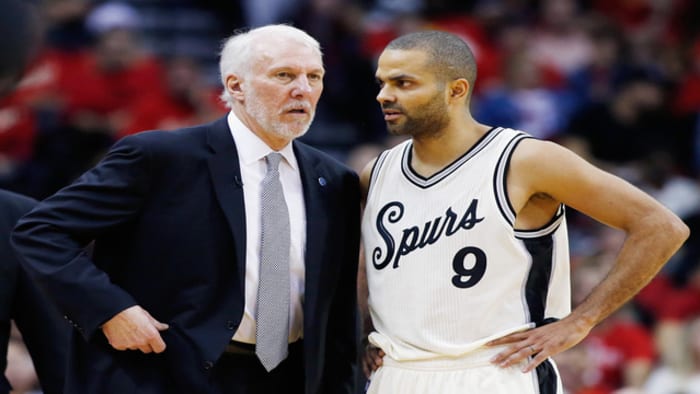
x=446 y=270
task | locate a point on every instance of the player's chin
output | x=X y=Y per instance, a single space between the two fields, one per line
x=395 y=129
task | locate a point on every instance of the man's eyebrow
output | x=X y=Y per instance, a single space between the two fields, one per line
x=395 y=77
x=400 y=76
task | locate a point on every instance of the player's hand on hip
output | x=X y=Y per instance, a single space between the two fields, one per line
x=135 y=329
x=538 y=344
x=372 y=359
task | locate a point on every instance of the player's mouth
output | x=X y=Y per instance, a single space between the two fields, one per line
x=391 y=114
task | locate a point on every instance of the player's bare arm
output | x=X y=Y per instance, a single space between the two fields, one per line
x=544 y=174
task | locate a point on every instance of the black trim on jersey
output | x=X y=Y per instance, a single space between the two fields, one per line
x=537 y=286
x=500 y=188
x=547 y=229
x=547 y=377
x=375 y=170
x=424 y=182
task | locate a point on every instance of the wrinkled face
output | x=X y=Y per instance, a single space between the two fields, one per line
x=283 y=89
x=411 y=96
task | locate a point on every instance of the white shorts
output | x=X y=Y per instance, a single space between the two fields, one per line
x=471 y=374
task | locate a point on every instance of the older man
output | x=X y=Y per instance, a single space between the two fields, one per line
x=225 y=255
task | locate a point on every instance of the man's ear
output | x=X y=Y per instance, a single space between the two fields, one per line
x=234 y=87
x=459 y=89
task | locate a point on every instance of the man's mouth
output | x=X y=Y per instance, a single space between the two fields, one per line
x=297 y=111
x=298 y=108
x=391 y=114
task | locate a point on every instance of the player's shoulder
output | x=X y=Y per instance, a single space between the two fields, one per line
x=530 y=149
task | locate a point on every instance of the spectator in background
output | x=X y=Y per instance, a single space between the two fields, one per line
x=83 y=96
x=593 y=82
x=17 y=136
x=679 y=372
x=184 y=101
x=558 y=42
x=347 y=107
x=522 y=102
x=628 y=128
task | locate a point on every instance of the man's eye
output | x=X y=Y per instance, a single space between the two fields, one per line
x=284 y=75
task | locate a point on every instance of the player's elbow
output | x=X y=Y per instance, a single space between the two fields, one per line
x=675 y=231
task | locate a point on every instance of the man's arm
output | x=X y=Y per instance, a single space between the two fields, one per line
x=546 y=170
x=51 y=239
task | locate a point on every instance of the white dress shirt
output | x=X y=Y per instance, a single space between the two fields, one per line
x=251 y=156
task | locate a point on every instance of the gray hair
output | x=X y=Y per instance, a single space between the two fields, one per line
x=237 y=54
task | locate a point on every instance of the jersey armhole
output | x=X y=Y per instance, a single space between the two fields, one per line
x=503 y=201
x=374 y=173
x=500 y=188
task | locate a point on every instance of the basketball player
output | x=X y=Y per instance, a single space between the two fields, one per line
x=465 y=237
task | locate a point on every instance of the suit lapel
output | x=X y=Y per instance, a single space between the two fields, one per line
x=226 y=177
x=314 y=182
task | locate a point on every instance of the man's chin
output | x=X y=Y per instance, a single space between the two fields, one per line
x=293 y=132
x=395 y=130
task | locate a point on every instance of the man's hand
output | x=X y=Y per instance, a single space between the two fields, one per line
x=372 y=359
x=539 y=343
x=135 y=329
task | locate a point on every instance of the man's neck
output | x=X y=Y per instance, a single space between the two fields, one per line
x=433 y=153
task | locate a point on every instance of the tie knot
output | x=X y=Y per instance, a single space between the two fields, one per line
x=273 y=161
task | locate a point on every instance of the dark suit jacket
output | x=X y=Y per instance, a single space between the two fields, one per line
x=44 y=333
x=165 y=211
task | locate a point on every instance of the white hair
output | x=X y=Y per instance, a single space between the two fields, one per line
x=237 y=53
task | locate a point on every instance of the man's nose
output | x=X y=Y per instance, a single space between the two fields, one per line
x=301 y=86
x=384 y=95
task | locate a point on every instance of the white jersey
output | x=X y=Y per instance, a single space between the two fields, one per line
x=446 y=270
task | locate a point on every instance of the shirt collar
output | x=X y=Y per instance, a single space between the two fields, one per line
x=251 y=148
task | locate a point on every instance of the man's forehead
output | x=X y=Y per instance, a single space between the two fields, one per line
x=394 y=62
x=300 y=56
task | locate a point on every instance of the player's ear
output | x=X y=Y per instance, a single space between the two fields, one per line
x=459 y=89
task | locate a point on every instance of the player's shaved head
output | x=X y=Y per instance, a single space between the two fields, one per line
x=448 y=55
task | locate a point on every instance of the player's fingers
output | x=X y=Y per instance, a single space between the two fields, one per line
x=365 y=369
x=378 y=362
x=513 y=354
x=368 y=364
x=378 y=359
x=537 y=360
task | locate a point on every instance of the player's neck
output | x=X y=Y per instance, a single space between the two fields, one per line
x=433 y=153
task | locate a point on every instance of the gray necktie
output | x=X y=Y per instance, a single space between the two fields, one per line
x=272 y=317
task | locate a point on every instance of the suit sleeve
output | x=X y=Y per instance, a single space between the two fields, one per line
x=52 y=239
x=342 y=336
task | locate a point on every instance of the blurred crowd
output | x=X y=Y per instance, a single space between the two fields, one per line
x=616 y=81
